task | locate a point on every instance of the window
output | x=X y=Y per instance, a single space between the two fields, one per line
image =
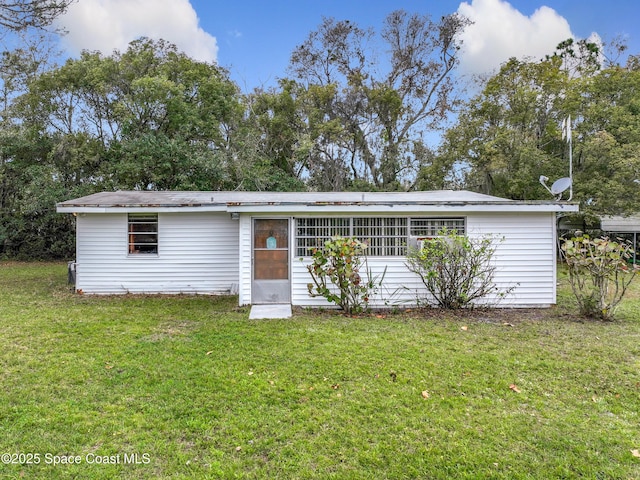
x=143 y=234
x=313 y=232
x=386 y=236
x=431 y=227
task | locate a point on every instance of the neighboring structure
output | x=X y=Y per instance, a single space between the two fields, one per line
x=257 y=244
x=627 y=228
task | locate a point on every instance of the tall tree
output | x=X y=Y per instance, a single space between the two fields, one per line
x=607 y=155
x=161 y=118
x=510 y=131
x=271 y=140
x=509 y=135
x=147 y=118
x=381 y=107
x=21 y=148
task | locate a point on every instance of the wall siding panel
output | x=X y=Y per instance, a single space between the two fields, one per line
x=525 y=257
x=209 y=253
x=197 y=253
x=525 y=261
x=245 y=260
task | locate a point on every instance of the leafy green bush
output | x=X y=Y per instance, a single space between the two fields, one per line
x=456 y=269
x=599 y=273
x=335 y=271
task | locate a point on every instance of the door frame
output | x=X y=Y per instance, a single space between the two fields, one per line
x=254 y=298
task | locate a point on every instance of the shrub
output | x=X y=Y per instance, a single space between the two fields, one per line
x=456 y=269
x=599 y=273
x=335 y=271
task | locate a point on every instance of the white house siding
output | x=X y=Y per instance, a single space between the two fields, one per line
x=400 y=285
x=525 y=260
x=244 y=244
x=197 y=253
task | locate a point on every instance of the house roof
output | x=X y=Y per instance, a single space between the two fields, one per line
x=165 y=201
x=620 y=224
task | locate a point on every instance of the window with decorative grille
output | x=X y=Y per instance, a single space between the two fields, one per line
x=386 y=236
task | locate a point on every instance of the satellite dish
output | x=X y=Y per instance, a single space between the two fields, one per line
x=560 y=185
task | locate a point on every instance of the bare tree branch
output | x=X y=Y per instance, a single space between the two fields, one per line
x=18 y=15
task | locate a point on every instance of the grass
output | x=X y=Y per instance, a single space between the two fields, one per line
x=196 y=390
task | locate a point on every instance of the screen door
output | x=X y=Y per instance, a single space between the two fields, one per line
x=271 y=283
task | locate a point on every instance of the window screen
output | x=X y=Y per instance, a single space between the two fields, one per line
x=143 y=234
x=313 y=232
x=432 y=227
x=386 y=236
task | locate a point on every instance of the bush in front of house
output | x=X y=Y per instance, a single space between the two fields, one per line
x=337 y=272
x=599 y=273
x=456 y=270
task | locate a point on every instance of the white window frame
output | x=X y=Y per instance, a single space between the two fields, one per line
x=312 y=232
x=386 y=236
x=430 y=227
x=135 y=245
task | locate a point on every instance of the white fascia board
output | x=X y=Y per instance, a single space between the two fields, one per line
x=402 y=209
x=447 y=208
x=150 y=209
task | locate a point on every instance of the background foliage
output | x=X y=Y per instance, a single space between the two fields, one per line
x=356 y=110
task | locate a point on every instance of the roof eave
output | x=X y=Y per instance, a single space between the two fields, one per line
x=337 y=207
x=71 y=208
x=405 y=208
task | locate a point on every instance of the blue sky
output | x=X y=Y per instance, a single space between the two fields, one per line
x=257 y=40
x=254 y=39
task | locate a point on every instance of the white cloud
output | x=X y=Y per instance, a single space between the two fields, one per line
x=106 y=25
x=500 y=32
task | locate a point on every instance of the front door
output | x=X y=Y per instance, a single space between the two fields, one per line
x=271 y=261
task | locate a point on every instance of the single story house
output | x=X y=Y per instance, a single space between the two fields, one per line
x=257 y=244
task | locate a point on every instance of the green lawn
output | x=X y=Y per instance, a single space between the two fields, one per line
x=188 y=387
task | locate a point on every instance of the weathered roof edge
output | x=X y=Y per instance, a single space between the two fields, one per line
x=292 y=201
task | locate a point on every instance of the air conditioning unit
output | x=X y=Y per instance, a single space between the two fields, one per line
x=418 y=242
